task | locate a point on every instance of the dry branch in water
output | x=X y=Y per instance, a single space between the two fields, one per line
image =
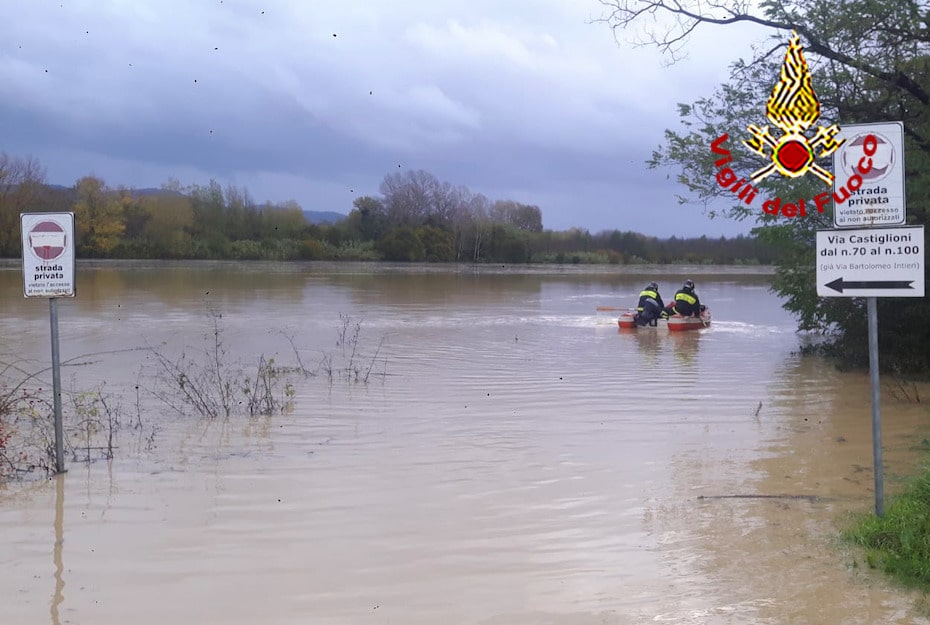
x=211 y=384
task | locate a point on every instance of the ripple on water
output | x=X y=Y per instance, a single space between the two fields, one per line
x=516 y=465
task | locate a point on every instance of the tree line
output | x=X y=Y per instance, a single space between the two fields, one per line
x=416 y=217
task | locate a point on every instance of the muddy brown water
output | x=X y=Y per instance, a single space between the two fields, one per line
x=513 y=458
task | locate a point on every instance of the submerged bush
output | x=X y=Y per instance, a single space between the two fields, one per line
x=91 y=420
x=208 y=382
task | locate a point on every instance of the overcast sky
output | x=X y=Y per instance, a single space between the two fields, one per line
x=317 y=100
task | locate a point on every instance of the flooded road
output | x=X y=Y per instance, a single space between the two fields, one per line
x=512 y=459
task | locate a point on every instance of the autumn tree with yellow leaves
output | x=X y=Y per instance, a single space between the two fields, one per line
x=99 y=216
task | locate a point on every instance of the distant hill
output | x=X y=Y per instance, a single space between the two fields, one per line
x=67 y=195
x=152 y=191
x=323 y=217
x=58 y=188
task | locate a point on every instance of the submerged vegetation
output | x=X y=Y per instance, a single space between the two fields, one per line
x=92 y=420
x=211 y=384
x=204 y=381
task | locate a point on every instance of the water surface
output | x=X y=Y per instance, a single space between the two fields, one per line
x=513 y=459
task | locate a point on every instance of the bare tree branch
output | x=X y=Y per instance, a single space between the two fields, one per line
x=626 y=13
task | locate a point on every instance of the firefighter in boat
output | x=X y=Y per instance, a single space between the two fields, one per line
x=650 y=305
x=686 y=303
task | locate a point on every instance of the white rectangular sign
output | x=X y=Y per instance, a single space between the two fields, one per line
x=878 y=262
x=868 y=170
x=48 y=254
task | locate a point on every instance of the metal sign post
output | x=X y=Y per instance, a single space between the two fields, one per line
x=48 y=271
x=873 y=262
x=56 y=387
x=868 y=189
x=878 y=473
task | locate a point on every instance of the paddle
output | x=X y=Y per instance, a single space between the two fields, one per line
x=608 y=318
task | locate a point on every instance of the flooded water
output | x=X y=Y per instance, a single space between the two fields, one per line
x=512 y=458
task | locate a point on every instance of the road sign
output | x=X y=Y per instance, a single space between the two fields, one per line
x=48 y=254
x=869 y=172
x=877 y=262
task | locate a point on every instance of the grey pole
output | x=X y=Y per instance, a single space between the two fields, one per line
x=59 y=596
x=56 y=387
x=876 y=409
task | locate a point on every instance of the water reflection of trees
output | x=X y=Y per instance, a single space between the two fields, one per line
x=125 y=287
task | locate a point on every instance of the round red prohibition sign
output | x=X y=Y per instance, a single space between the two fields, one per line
x=47 y=240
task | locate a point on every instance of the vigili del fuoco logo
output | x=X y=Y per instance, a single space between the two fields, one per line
x=792 y=108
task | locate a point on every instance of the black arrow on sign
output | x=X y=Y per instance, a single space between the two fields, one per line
x=839 y=284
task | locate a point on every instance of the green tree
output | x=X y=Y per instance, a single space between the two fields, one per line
x=402 y=244
x=209 y=205
x=243 y=219
x=437 y=244
x=869 y=63
x=368 y=220
x=507 y=244
x=283 y=221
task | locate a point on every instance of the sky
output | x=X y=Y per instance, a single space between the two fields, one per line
x=316 y=101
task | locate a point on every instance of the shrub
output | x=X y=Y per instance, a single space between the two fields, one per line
x=402 y=244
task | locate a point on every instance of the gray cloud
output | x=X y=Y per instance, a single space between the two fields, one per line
x=523 y=100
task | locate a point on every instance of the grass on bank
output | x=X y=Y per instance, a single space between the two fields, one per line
x=899 y=542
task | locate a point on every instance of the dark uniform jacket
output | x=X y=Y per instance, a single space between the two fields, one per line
x=687 y=303
x=650 y=299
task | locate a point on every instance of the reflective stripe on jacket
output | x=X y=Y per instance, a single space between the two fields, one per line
x=646 y=295
x=686 y=303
